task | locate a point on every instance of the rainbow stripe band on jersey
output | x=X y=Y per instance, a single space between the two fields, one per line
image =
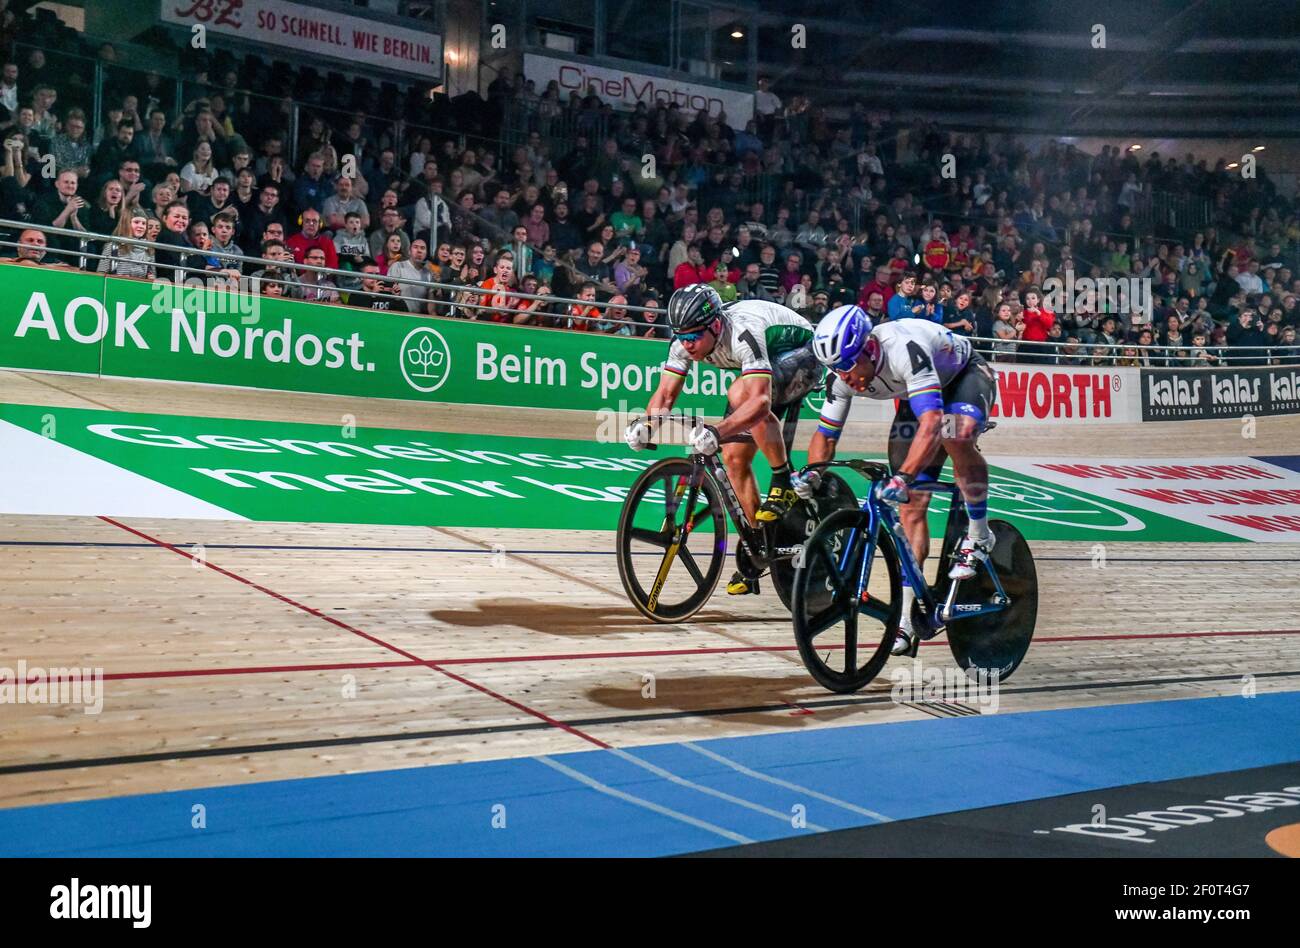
x=748 y=372
x=829 y=428
x=673 y=370
x=926 y=399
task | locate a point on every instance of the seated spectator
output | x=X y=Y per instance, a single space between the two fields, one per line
x=312 y=187
x=224 y=226
x=375 y=294
x=175 y=222
x=653 y=319
x=532 y=312
x=121 y=259
x=317 y=287
x=720 y=281
x=311 y=236
x=583 y=316
x=497 y=306
x=61 y=208
x=200 y=171
x=391 y=253
x=693 y=270
x=31 y=248
x=114 y=150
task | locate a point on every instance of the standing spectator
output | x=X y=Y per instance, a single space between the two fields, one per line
x=61 y=209
x=414 y=267
x=342 y=202
x=1038 y=321
x=103 y=216
x=71 y=148
x=266 y=213
x=311 y=188
x=155 y=148
x=391 y=222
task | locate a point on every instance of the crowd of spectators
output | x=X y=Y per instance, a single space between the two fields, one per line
x=794 y=207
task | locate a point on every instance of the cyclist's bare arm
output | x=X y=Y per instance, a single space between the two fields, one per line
x=665 y=396
x=753 y=405
x=821 y=448
x=924 y=446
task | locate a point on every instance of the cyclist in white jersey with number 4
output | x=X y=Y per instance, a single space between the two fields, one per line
x=772 y=347
x=945 y=391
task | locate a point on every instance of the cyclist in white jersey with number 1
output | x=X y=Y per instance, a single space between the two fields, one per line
x=772 y=347
x=945 y=391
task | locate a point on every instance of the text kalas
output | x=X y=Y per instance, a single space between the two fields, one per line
x=1045 y=394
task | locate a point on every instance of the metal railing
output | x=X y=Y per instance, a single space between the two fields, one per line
x=457 y=297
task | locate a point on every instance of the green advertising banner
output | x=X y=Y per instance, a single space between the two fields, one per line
x=281 y=471
x=75 y=322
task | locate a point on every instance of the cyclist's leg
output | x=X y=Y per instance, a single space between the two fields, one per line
x=913 y=514
x=967 y=402
x=739 y=460
x=794 y=375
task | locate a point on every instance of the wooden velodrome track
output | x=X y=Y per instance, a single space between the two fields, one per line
x=311 y=659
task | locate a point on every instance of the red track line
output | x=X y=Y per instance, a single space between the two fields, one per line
x=589 y=656
x=365 y=635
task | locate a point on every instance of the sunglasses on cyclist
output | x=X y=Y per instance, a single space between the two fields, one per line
x=688 y=336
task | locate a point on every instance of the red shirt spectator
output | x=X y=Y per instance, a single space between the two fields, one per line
x=1037 y=323
x=936 y=254
x=876 y=286
x=311 y=237
x=693 y=270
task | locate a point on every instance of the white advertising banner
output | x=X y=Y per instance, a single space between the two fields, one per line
x=310 y=30
x=623 y=89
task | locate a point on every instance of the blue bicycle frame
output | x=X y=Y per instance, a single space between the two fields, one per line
x=879 y=513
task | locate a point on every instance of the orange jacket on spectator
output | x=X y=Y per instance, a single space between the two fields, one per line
x=299 y=245
x=687 y=273
x=583 y=325
x=503 y=304
x=1037 y=323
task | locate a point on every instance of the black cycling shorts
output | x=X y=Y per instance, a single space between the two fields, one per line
x=794 y=374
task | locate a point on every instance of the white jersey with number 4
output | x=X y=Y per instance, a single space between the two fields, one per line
x=917 y=357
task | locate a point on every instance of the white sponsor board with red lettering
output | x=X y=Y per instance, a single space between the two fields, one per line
x=1041 y=395
x=625 y=89
x=311 y=30
x=1241 y=496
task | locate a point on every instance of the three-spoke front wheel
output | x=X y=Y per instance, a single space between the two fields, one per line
x=672 y=540
x=847 y=602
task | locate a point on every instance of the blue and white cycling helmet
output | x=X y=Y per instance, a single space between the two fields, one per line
x=841 y=336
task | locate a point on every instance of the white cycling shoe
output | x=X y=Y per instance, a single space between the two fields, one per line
x=902 y=641
x=973 y=551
